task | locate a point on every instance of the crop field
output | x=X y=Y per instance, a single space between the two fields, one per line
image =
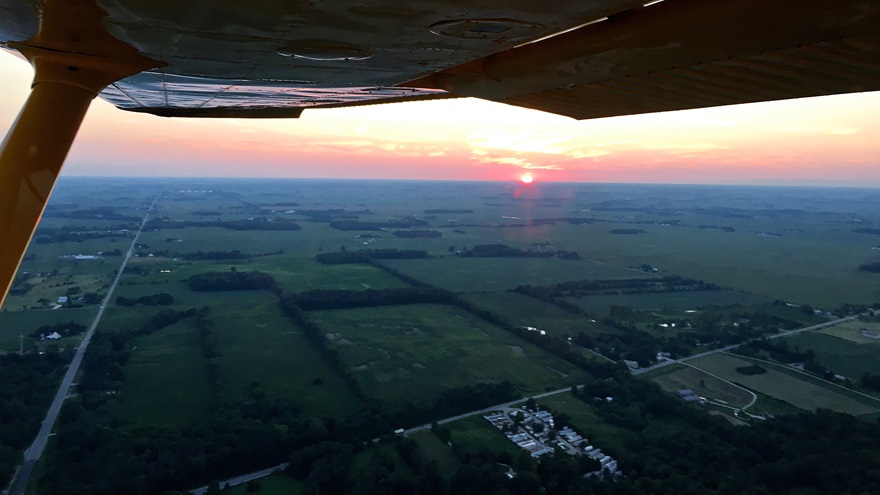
x=257 y=343
x=413 y=352
x=704 y=385
x=795 y=391
x=165 y=380
x=673 y=301
x=15 y=323
x=585 y=420
x=498 y=274
x=843 y=357
x=528 y=311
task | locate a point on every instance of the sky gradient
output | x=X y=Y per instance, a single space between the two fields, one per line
x=816 y=141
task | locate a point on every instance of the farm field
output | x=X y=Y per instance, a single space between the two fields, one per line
x=797 y=392
x=842 y=356
x=498 y=274
x=413 y=352
x=528 y=311
x=257 y=343
x=703 y=385
x=165 y=381
x=850 y=331
x=728 y=259
x=673 y=301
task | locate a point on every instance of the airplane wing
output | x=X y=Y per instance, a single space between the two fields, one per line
x=589 y=59
x=270 y=58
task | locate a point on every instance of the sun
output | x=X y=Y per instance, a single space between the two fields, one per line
x=527 y=178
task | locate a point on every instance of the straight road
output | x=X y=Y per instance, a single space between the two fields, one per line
x=238 y=480
x=35 y=451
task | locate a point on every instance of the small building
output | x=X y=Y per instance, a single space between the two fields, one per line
x=399 y=432
x=631 y=364
x=53 y=336
x=62 y=300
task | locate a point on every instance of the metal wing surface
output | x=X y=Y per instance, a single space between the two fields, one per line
x=588 y=59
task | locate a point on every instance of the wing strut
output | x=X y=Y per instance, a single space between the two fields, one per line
x=74 y=58
x=30 y=160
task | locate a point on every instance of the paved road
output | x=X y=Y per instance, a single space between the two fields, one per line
x=734 y=346
x=485 y=410
x=35 y=451
x=238 y=480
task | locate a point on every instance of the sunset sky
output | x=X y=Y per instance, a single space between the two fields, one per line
x=817 y=141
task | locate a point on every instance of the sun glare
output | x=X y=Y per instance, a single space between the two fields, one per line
x=527 y=179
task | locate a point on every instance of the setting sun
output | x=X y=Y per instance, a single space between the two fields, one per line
x=527 y=179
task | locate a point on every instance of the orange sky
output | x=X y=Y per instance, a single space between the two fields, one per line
x=832 y=140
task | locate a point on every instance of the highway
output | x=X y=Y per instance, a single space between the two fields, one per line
x=35 y=451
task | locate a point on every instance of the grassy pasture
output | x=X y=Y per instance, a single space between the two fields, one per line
x=528 y=311
x=498 y=274
x=796 y=268
x=475 y=434
x=850 y=331
x=15 y=323
x=435 y=450
x=703 y=385
x=793 y=390
x=842 y=356
x=585 y=420
x=258 y=343
x=302 y=274
x=674 y=301
x=413 y=352
x=165 y=380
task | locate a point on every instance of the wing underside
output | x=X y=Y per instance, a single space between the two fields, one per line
x=589 y=59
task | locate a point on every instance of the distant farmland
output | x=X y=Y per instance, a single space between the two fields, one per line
x=414 y=352
x=498 y=274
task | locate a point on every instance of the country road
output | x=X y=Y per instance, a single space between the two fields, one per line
x=734 y=346
x=35 y=451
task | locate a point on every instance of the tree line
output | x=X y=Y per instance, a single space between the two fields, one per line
x=160 y=299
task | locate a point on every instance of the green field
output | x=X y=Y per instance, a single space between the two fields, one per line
x=475 y=434
x=292 y=275
x=15 y=323
x=673 y=301
x=258 y=343
x=585 y=420
x=413 y=352
x=784 y=268
x=850 y=331
x=498 y=274
x=437 y=451
x=841 y=356
x=165 y=380
x=704 y=385
x=797 y=391
x=528 y=311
